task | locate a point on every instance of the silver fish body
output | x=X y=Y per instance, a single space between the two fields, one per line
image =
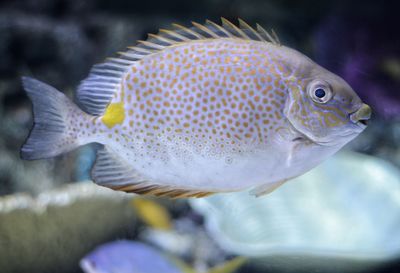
x=202 y=110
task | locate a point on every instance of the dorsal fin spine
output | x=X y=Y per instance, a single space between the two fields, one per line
x=244 y=25
x=151 y=45
x=113 y=65
x=99 y=83
x=131 y=55
x=106 y=65
x=161 y=38
x=205 y=29
x=276 y=38
x=262 y=31
x=101 y=78
x=227 y=33
x=119 y=60
x=104 y=71
x=189 y=31
x=228 y=25
x=141 y=49
x=174 y=34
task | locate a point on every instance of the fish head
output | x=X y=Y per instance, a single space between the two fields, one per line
x=324 y=108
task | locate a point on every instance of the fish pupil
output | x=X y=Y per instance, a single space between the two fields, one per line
x=320 y=93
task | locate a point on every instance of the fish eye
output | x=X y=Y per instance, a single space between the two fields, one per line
x=320 y=92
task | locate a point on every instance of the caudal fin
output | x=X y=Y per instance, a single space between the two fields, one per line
x=49 y=136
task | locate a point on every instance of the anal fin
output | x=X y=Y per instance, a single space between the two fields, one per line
x=266 y=188
x=113 y=172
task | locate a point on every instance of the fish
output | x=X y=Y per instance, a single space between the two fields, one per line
x=193 y=111
x=124 y=256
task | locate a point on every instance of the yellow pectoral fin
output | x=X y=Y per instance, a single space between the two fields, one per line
x=115 y=114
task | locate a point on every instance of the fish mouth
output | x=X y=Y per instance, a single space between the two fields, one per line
x=362 y=124
x=361 y=116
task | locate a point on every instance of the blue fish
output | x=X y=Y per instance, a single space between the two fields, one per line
x=127 y=257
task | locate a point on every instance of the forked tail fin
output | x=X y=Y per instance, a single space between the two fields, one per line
x=52 y=112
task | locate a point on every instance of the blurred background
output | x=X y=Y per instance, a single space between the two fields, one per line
x=51 y=217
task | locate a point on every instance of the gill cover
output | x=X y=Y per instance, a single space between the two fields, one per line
x=319 y=119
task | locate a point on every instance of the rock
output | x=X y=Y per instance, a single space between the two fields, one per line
x=52 y=232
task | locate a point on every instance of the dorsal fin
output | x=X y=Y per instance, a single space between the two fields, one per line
x=250 y=31
x=95 y=92
x=189 y=32
x=234 y=29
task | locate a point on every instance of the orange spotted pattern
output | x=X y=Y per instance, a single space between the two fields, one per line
x=214 y=96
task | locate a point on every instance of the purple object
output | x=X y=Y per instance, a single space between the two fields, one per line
x=359 y=49
x=126 y=257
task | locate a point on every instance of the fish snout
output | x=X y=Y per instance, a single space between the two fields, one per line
x=362 y=115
